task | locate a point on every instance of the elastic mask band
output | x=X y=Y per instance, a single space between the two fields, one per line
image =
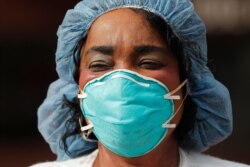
x=169 y=125
x=86 y=131
x=87 y=127
x=175 y=97
x=81 y=94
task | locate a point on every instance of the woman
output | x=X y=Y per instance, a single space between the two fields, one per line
x=145 y=95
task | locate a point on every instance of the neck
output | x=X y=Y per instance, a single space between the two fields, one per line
x=165 y=154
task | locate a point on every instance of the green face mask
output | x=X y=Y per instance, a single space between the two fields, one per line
x=129 y=113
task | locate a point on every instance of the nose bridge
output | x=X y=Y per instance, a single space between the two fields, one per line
x=123 y=58
x=123 y=64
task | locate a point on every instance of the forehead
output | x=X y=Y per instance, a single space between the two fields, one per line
x=122 y=25
x=121 y=15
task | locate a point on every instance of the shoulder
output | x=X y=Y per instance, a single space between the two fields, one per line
x=85 y=161
x=195 y=159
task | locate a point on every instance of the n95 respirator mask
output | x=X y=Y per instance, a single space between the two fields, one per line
x=129 y=113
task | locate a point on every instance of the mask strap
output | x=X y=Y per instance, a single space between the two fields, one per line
x=175 y=97
x=81 y=94
x=167 y=124
x=86 y=130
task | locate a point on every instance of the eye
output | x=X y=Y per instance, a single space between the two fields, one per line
x=150 y=64
x=99 y=65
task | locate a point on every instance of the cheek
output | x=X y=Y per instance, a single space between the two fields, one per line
x=85 y=76
x=168 y=77
x=171 y=79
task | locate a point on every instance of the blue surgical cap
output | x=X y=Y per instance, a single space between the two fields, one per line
x=214 y=113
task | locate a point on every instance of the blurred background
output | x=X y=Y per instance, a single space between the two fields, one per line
x=27 y=46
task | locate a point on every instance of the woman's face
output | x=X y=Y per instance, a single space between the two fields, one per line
x=122 y=39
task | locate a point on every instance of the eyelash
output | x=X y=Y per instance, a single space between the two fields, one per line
x=99 y=65
x=149 y=64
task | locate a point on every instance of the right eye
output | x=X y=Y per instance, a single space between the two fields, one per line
x=150 y=64
x=99 y=65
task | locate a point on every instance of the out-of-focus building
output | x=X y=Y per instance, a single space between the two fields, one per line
x=225 y=16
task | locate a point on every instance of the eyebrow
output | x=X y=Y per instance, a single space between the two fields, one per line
x=106 y=50
x=137 y=50
x=144 y=49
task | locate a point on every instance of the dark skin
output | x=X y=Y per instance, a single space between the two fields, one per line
x=122 y=39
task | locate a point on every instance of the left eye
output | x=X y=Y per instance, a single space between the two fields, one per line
x=150 y=64
x=99 y=65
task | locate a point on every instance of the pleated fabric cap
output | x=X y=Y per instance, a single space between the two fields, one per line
x=214 y=112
